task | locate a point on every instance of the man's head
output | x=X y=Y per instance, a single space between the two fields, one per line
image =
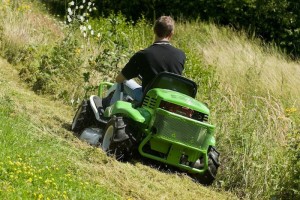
x=164 y=27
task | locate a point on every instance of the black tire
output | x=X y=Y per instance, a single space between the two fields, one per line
x=83 y=118
x=213 y=164
x=115 y=141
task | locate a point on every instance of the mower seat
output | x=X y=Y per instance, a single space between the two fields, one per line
x=98 y=108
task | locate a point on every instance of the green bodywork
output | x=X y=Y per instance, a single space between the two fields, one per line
x=178 y=99
x=126 y=109
x=176 y=140
x=103 y=87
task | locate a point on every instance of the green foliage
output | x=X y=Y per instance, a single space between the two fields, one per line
x=117 y=39
x=53 y=68
x=274 y=20
x=204 y=75
x=254 y=157
x=290 y=187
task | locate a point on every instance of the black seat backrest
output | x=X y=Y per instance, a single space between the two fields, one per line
x=166 y=80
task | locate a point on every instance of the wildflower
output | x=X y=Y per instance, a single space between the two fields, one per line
x=98 y=35
x=47 y=181
x=40 y=196
x=92 y=32
x=89 y=27
x=18 y=163
x=291 y=110
x=29 y=180
x=90 y=3
x=82 y=18
x=69 y=18
x=83 y=28
x=70 y=11
x=83 y=1
x=72 y=3
x=81 y=7
x=84 y=34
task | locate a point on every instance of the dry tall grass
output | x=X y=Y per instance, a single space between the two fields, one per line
x=255 y=108
x=240 y=61
x=25 y=25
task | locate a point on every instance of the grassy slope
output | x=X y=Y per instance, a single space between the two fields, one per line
x=250 y=88
x=47 y=121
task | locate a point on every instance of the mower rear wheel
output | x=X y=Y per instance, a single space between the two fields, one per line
x=83 y=118
x=115 y=140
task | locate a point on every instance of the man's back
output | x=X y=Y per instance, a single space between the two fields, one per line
x=159 y=57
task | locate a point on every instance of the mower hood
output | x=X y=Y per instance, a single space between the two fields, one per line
x=179 y=99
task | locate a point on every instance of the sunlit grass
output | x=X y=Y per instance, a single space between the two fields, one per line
x=254 y=105
x=250 y=87
x=40 y=137
x=34 y=165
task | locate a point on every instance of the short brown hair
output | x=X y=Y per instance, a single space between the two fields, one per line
x=164 y=26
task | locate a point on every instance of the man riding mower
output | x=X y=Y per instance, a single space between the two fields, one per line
x=168 y=126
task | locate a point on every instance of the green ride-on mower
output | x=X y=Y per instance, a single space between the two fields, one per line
x=169 y=126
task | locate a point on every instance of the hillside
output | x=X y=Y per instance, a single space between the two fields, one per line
x=49 y=140
x=48 y=66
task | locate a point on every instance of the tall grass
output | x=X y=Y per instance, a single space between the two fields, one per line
x=250 y=87
x=255 y=107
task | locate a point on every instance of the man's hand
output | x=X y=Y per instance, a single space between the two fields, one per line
x=120 y=78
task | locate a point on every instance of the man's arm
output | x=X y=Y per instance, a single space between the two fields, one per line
x=120 y=78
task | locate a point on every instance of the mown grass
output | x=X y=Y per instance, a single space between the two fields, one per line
x=35 y=165
x=250 y=87
x=41 y=159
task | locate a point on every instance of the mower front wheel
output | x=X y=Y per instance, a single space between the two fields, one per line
x=213 y=163
x=115 y=140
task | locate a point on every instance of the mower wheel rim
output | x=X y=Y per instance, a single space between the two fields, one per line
x=107 y=138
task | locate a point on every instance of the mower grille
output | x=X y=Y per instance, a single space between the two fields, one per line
x=175 y=128
x=149 y=102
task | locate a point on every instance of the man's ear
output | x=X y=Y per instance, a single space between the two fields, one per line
x=170 y=36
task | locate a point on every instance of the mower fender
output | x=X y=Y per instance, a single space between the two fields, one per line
x=211 y=141
x=125 y=108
